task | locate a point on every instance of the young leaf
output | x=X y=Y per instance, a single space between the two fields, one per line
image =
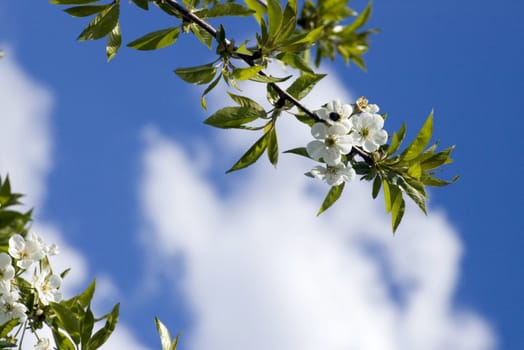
x=397 y=212
x=233 y=117
x=87 y=295
x=421 y=140
x=208 y=89
x=397 y=139
x=304 y=84
x=197 y=75
x=246 y=73
x=252 y=154
x=272 y=146
x=437 y=159
x=7 y=327
x=274 y=18
x=163 y=332
x=203 y=36
x=84 y=11
x=377 y=182
x=114 y=40
x=156 y=40
x=247 y=102
x=86 y=327
x=258 y=9
x=268 y=79
x=102 y=24
x=360 y=20
x=332 y=196
x=101 y=336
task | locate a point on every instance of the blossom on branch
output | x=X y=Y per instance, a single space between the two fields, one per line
x=367 y=131
x=334 y=175
x=332 y=141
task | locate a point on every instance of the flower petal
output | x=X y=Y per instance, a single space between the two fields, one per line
x=380 y=137
x=316 y=149
x=370 y=146
x=331 y=156
x=319 y=131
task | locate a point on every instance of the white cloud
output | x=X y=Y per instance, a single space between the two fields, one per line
x=262 y=272
x=25 y=142
x=25 y=154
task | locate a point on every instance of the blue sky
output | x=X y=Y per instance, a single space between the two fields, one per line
x=128 y=180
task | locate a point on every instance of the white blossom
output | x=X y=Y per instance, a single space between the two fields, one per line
x=43 y=344
x=334 y=175
x=332 y=141
x=26 y=250
x=367 y=131
x=363 y=105
x=336 y=113
x=11 y=309
x=7 y=271
x=48 y=288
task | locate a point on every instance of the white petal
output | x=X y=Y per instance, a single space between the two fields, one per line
x=16 y=245
x=319 y=172
x=5 y=260
x=323 y=114
x=331 y=156
x=344 y=144
x=377 y=122
x=316 y=149
x=369 y=146
x=380 y=137
x=372 y=108
x=319 y=131
x=347 y=110
x=337 y=129
x=349 y=174
x=334 y=179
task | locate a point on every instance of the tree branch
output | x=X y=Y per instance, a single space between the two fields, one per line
x=283 y=94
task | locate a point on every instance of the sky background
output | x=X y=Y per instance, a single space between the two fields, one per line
x=124 y=176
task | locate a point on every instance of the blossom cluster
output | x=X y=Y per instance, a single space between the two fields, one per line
x=27 y=256
x=341 y=128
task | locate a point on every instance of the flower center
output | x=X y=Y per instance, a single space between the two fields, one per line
x=364 y=132
x=331 y=170
x=330 y=141
x=334 y=116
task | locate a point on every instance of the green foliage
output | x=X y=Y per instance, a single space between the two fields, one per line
x=165 y=337
x=156 y=40
x=333 y=195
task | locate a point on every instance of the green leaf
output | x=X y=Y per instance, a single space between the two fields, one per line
x=67 y=320
x=197 y=75
x=114 y=41
x=360 y=20
x=429 y=180
x=62 y=341
x=87 y=295
x=7 y=327
x=258 y=9
x=391 y=192
x=202 y=35
x=71 y=2
x=224 y=9
x=415 y=190
x=272 y=146
x=174 y=343
x=304 y=84
x=86 y=327
x=246 y=73
x=101 y=336
x=301 y=151
x=397 y=139
x=143 y=4
x=268 y=79
x=102 y=24
x=295 y=61
x=84 y=11
x=377 y=182
x=247 y=102
x=305 y=118
x=415 y=171
x=289 y=23
x=156 y=40
x=233 y=117
x=163 y=332
x=274 y=18
x=252 y=154
x=421 y=140
x=208 y=89
x=332 y=196
x=397 y=212
x=438 y=159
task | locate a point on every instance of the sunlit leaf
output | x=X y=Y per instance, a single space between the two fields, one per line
x=101 y=336
x=114 y=41
x=224 y=9
x=295 y=61
x=304 y=84
x=272 y=146
x=197 y=75
x=360 y=20
x=102 y=24
x=246 y=73
x=156 y=40
x=274 y=18
x=397 y=212
x=233 y=117
x=144 y=4
x=396 y=139
x=332 y=196
x=421 y=140
x=247 y=102
x=252 y=154
x=163 y=332
x=83 y=11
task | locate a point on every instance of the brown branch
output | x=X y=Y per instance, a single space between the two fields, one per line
x=190 y=17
